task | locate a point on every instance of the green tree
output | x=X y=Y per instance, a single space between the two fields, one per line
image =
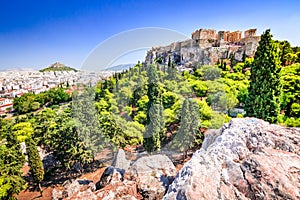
x=200 y=88
x=87 y=120
x=168 y=99
x=11 y=161
x=290 y=80
x=155 y=121
x=291 y=58
x=41 y=123
x=285 y=48
x=265 y=87
x=65 y=141
x=210 y=72
x=23 y=130
x=229 y=101
x=187 y=135
x=35 y=163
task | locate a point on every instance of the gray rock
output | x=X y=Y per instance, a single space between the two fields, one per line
x=111 y=175
x=120 y=160
x=153 y=174
x=86 y=194
x=71 y=188
x=247 y=159
x=57 y=194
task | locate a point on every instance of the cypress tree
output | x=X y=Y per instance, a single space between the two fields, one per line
x=35 y=163
x=264 y=90
x=187 y=134
x=155 y=122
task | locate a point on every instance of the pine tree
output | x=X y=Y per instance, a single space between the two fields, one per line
x=64 y=139
x=35 y=163
x=155 y=122
x=11 y=161
x=264 y=90
x=87 y=121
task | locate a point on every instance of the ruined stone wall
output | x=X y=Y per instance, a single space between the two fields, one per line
x=250 y=33
x=206 y=47
x=234 y=36
x=204 y=34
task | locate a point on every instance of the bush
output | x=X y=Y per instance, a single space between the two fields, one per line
x=168 y=99
x=211 y=72
x=239 y=115
x=170 y=116
x=292 y=122
x=200 y=88
x=140 y=117
x=217 y=120
x=295 y=110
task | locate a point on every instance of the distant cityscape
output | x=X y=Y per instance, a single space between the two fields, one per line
x=15 y=83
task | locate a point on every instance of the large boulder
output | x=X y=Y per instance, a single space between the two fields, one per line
x=247 y=159
x=153 y=174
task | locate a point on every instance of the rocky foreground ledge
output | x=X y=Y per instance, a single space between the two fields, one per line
x=246 y=159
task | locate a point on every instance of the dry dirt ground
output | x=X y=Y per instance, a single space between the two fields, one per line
x=47 y=193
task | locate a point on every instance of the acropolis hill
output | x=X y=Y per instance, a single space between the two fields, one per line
x=206 y=47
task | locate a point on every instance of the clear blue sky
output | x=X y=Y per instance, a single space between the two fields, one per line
x=34 y=34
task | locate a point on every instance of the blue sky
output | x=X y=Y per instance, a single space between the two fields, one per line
x=34 y=34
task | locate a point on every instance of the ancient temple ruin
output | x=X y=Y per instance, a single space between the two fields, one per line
x=207 y=46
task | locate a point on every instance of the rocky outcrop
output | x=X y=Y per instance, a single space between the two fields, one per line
x=148 y=178
x=111 y=176
x=74 y=188
x=247 y=159
x=153 y=174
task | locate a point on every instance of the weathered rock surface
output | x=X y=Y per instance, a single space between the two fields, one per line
x=73 y=189
x=111 y=175
x=148 y=178
x=120 y=160
x=153 y=174
x=119 y=190
x=247 y=159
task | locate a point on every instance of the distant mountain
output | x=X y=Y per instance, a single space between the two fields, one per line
x=57 y=67
x=120 y=67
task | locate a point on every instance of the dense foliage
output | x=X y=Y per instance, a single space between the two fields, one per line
x=32 y=102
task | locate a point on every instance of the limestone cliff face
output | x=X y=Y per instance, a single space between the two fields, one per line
x=247 y=159
x=207 y=47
